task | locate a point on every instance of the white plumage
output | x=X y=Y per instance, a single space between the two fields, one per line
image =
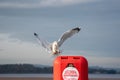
x=54 y=47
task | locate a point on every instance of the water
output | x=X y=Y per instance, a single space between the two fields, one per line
x=26 y=75
x=104 y=75
x=51 y=75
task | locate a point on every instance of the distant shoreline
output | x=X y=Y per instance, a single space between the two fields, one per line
x=51 y=75
x=41 y=69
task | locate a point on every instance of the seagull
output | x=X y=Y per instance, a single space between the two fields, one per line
x=54 y=46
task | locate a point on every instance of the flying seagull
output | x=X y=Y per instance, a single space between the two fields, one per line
x=54 y=47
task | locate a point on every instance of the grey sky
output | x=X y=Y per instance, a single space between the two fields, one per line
x=98 y=38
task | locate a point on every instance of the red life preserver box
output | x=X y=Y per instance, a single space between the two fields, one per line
x=70 y=68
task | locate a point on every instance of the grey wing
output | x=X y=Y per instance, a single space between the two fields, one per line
x=67 y=35
x=43 y=43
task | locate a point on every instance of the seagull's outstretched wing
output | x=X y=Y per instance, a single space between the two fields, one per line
x=42 y=42
x=67 y=35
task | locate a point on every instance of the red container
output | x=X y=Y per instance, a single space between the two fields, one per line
x=70 y=68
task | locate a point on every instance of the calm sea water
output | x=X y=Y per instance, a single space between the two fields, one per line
x=50 y=75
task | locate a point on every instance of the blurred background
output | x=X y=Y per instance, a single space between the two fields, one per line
x=98 y=40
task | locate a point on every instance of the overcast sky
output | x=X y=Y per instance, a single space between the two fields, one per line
x=98 y=40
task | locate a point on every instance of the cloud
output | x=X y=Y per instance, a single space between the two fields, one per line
x=95 y=58
x=39 y=3
x=110 y=62
x=62 y=2
x=13 y=51
x=17 y=51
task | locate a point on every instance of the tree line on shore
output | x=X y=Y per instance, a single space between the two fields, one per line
x=29 y=68
x=23 y=68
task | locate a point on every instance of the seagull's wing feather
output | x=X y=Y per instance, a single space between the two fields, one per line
x=67 y=35
x=42 y=42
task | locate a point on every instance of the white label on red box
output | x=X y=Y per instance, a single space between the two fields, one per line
x=70 y=73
